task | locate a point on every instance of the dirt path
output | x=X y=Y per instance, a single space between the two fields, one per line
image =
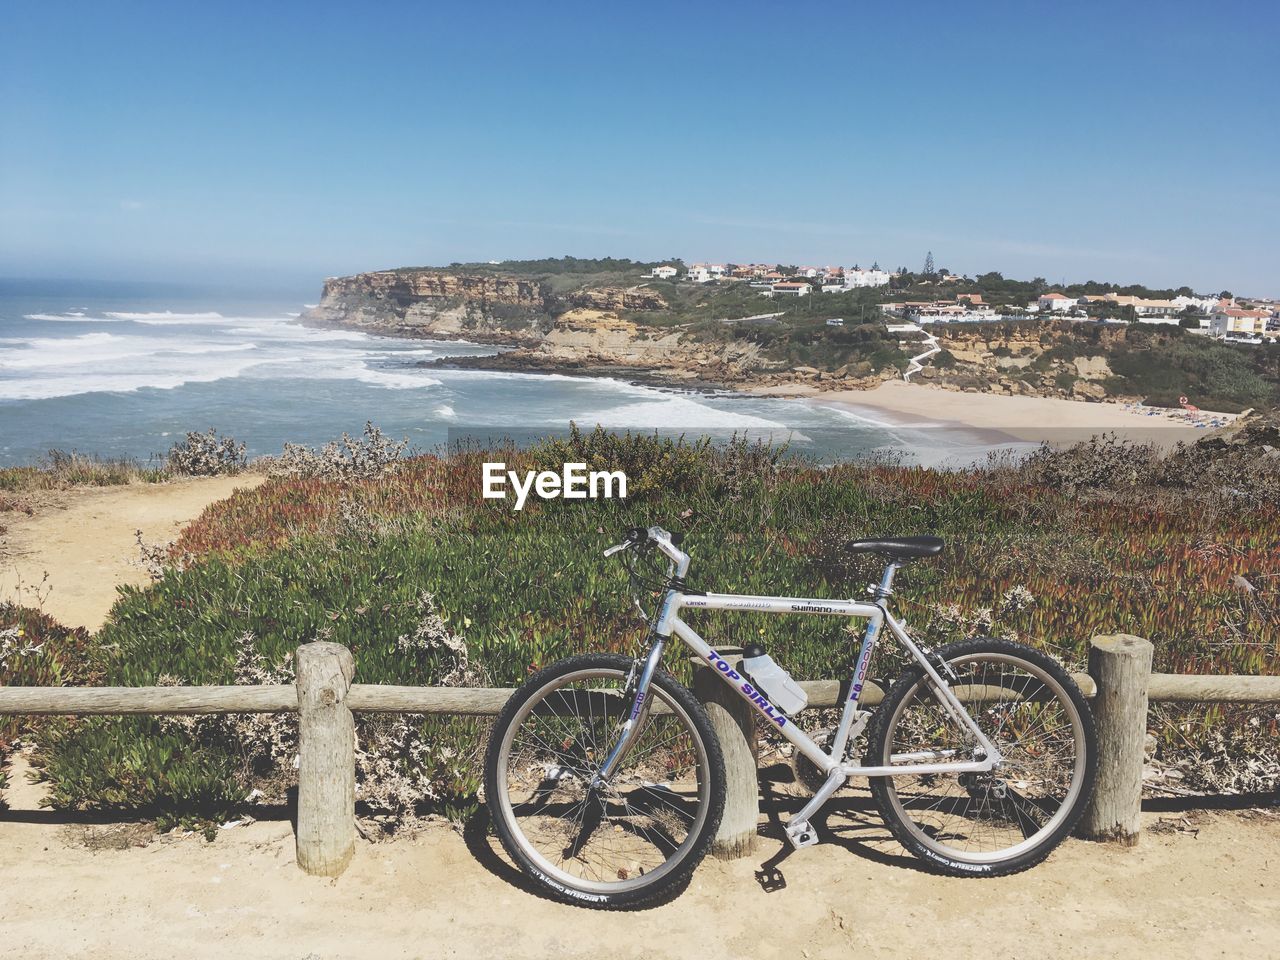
x=66 y=894
x=85 y=540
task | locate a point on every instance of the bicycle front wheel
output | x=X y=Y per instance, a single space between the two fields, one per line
x=996 y=823
x=637 y=836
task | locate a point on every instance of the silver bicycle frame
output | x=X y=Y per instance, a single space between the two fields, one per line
x=670 y=623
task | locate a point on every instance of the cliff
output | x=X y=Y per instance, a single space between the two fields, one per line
x=576 y=330
x=434 y=303
x=447 y=304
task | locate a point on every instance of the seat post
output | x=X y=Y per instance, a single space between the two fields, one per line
x=885 y=589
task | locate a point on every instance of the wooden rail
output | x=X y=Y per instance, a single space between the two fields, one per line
x=1119 y=682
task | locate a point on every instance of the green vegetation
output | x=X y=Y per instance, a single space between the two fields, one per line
x=35 y=651
x=550 y=266
x=1215 y=375
x=1102 y=539
x=789 y=329
x=1006 y=292
x=1156 y=364
x=60 y=470
x=561 y=275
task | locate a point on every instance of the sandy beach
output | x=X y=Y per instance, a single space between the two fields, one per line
x=1058 y=422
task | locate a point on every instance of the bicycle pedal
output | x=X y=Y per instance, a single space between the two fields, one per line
x=801 y=834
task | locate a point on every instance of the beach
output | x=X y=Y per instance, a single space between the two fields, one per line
x=1028 y=419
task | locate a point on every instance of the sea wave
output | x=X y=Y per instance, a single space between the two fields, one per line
x=165 y=317
x=73 y=316
x=675 y=411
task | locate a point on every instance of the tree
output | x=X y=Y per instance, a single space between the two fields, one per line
x=1226 y=295
x=928 y=264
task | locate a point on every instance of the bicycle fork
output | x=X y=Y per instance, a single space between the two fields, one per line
x=636 y=719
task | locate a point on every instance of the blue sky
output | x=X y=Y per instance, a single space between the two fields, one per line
x=277 y=143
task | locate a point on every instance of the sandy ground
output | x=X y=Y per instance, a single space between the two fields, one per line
x=1206 y=891
x=84 y=539
x=1059 y=422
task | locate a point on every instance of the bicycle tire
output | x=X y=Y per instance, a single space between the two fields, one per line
x=915 y=836
x=557 y=882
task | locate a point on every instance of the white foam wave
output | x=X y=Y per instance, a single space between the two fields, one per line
x=73 y=316
x=165 y=317
x=51 y=384
x=392 y=379
x=677 y=412
x=446 y=411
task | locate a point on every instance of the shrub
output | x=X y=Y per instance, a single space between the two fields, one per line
x=37 y=651
x=59 y=470
x=369 y=457
x=206 y=455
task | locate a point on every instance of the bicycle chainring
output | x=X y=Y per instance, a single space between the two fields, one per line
x=807 y=774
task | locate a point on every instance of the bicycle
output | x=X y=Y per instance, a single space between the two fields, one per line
x=605 y=781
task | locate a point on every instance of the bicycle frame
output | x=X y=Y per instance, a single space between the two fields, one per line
x=669 y=623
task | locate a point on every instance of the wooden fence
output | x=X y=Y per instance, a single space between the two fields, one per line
x=1119 y=682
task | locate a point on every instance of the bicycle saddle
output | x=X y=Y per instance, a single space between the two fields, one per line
x=898 y=549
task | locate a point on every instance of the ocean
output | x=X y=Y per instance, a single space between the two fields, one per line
x=127 y=370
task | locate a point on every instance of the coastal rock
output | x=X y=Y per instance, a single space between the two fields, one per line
x=616 y=298
x=1084 y=390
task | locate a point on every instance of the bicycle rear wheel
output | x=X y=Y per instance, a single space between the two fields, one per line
x=646 y=830
x=986 y=824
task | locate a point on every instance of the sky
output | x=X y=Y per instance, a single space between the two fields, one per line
x=274 y=144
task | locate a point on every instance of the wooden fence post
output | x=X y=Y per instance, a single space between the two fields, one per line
x=326 y=837
x=735 y=725
x=1121 y=667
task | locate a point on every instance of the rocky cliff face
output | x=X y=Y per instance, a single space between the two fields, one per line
x=447 y=304
x=434 y=303
x=1015 y=359
x=616 y=298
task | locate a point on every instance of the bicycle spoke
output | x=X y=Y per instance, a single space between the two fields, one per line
x=986 y=816
x=630 y=826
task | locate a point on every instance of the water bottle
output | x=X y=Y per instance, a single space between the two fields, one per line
x=771 y=680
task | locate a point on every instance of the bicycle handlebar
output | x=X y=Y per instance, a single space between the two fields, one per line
x=667 y=543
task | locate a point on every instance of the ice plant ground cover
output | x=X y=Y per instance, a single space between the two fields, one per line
x=1102 y=539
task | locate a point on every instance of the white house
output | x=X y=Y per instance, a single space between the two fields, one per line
x=792 y=288
x=855 y=277
x=1203 y=304
x=1055 y=301
x=1233 y=321
x=717 y=269
x=700 y=273
x=1143 y=307
x=664 y=272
